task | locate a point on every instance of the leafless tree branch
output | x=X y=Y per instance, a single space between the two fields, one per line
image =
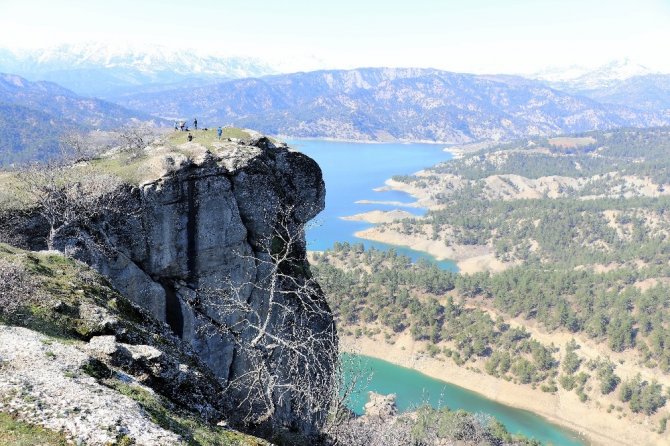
x=282 y=328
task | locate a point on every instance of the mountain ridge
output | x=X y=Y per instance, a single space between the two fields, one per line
x=621 y=82
x=380 y=104
x=35 y=114
x=103 y=70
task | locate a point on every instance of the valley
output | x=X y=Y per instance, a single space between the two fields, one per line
x=554 y=241
x=352 y=223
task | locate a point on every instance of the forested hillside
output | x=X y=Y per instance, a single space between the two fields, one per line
x=33 y=115
x=392 y=104
x=579 y=301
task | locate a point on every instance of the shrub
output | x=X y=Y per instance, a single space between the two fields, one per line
x=17 y=288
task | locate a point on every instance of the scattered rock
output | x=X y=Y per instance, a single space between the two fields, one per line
x=380 y=406
x=50 y=393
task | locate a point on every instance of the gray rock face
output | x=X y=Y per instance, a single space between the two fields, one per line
x=204 y=226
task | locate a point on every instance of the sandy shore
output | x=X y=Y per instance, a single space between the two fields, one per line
x=377 y=217
x=460 y=150
x=399 y=204
x=469 y=258
x=422 y=196
x=564 y=408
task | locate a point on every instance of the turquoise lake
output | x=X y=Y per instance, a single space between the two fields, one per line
x=352 y=171
x=413 y=388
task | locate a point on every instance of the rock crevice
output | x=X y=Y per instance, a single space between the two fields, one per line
x=204 y=226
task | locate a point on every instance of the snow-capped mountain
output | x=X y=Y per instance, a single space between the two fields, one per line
x=577 y=77
x=621 y=82
x=113 y=70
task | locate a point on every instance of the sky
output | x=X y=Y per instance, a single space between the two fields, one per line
x=479 y=36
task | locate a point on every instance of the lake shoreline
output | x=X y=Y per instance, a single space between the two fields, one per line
x=469 y=259
x=358 y=141
x=563 y=409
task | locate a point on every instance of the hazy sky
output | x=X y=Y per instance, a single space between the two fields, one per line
x=514 y=36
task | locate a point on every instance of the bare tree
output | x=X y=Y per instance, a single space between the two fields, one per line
x=135 y=137
x=282 y=330
x=17 y=288
x=67 y=196
x=78 y=146
x=423 y=427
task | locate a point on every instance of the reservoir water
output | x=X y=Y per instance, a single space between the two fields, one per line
x=413 y=388
x=352 y=171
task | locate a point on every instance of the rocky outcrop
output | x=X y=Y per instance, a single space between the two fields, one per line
x=41 y=382
x=380 y=406
x=208 y=223
x=79 y=358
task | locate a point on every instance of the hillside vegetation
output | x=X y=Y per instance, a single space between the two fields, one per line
x=64 y=308
x=577 y=229
x=34 y=115
x=79 y=362
x=382 y=104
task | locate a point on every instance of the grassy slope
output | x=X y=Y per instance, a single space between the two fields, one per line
x=132 y=167
x=207 y=137
x=18 y=433
x=64 y=280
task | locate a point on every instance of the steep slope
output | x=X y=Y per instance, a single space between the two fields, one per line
x=28 y=134
x=78 y=358
x=34 y=114
x=212 y=244
x=60 y=102
x=391 y=104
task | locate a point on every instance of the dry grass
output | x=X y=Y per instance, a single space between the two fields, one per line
x=18 y=433
x=567 y=142
x=207 y=138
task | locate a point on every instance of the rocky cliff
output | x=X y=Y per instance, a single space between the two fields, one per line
x=213 y=245
x=80 y=364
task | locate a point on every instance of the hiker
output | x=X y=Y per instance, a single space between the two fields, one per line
x=189 y=137
x=195 y=123
x=219 y=131
x=181 y=125
x=176 y=126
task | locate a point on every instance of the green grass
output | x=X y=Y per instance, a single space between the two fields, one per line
x=132 y=167
x=72 y=284
x=123 y=165
x=61 y=279
x=194 y=431
x=206 y=138
x=18 y=433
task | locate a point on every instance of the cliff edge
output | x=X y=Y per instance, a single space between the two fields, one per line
x=209 y=239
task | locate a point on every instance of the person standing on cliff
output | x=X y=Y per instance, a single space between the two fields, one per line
x=195 y=123
x=189 y=137
x=219 y=132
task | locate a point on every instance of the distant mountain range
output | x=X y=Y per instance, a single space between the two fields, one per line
x=619 y=82
x=584 y=78
x=34 y=114
x=375 y=104
x=392 y=104
x=109 y=71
